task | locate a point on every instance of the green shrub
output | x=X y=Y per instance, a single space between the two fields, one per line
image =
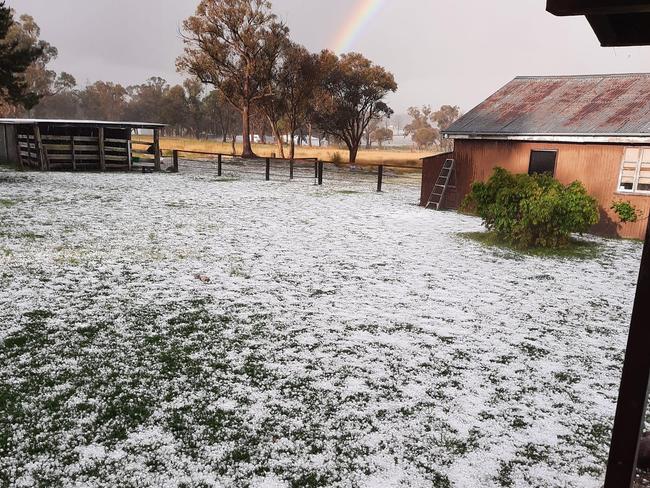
x=626 y=211
x=532 y=211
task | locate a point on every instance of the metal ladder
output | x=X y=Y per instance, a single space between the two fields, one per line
x=440 y=188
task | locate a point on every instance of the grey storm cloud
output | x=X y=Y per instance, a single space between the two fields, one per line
x=440 y=52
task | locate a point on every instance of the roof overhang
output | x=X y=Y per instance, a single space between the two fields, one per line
x=83 y=123
x=615 y=22
x=567 y=138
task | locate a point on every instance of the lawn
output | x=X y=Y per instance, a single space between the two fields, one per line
x=345 y=338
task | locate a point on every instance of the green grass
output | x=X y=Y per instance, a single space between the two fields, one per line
x=28 y=235
x=7 y=203
x=576 y=249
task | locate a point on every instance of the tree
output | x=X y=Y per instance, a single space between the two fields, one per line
x=419 y=119
x=104 y=101
x=353 y=93
x=444 y=117
x=234 y=45
x=63 y=100
x=425 y=137
x=398 y=121
x=296 y=78
x=146 y=101
x=17 y=54
x=195 y=106
x=420 y=129
x=40 y=80
x=221 y=114
x=274 y=106
x=174 y=109
x=381 y=135
x=372 y=127
x=55 y=95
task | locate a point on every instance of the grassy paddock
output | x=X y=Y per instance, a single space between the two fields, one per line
x=341 y=338
x=577 y=248
x=372 y=156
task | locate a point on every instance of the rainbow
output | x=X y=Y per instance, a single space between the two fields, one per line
x=354 y=26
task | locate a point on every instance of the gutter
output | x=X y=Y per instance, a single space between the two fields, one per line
x=575 y=138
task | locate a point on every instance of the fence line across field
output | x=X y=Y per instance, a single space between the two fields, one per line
x=295 y=166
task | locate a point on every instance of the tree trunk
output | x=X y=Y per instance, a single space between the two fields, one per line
x=278 y=138
x=292 y=146
x=232 y=141
x=309 y=132
x=247 y=150
x=368 y=141
x=353 y=153
x=262 y=132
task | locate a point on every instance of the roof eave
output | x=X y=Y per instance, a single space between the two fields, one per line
x=537 y=137
x=87 y=123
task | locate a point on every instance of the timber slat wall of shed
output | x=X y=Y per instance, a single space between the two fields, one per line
x=73 y=152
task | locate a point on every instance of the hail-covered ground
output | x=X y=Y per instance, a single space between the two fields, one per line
x=345 y=338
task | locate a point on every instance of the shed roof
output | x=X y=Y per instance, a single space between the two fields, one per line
x=84 y=123
x=589 y=106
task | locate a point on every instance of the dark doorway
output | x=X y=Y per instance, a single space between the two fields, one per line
x=542 y=162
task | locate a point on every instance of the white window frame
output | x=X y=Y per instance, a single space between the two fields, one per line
x=637 y=172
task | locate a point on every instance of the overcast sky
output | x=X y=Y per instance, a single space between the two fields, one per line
x=441 y=52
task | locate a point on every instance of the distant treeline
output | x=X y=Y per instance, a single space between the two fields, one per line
x=245 y=77
x=187 y=109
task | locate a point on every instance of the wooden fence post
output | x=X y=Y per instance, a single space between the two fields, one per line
x=319 y=165
x=21 y=164
x=175 y=160
x=72 y=153
x=316 y=169
x=156 y=149
x=380 y=176
x=129 y=151
x=291 y=169
x=44 y=166
x=102 y=150
x=268 y=169
x=219 y=165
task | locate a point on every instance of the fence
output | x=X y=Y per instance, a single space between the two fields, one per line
x=306 y=168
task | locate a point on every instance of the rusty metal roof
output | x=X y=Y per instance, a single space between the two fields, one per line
x=593 y=105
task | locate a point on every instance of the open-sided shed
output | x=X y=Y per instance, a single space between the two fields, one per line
x=73 y=145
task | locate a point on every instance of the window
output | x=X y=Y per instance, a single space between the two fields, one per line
x=635 y=170
x=542 y=162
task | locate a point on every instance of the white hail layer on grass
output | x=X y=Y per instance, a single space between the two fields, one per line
x=345 y=338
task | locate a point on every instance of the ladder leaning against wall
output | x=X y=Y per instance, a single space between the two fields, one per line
x=440 y=187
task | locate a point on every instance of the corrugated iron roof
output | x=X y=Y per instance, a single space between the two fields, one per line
x=592 y=105
x=104 y=123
